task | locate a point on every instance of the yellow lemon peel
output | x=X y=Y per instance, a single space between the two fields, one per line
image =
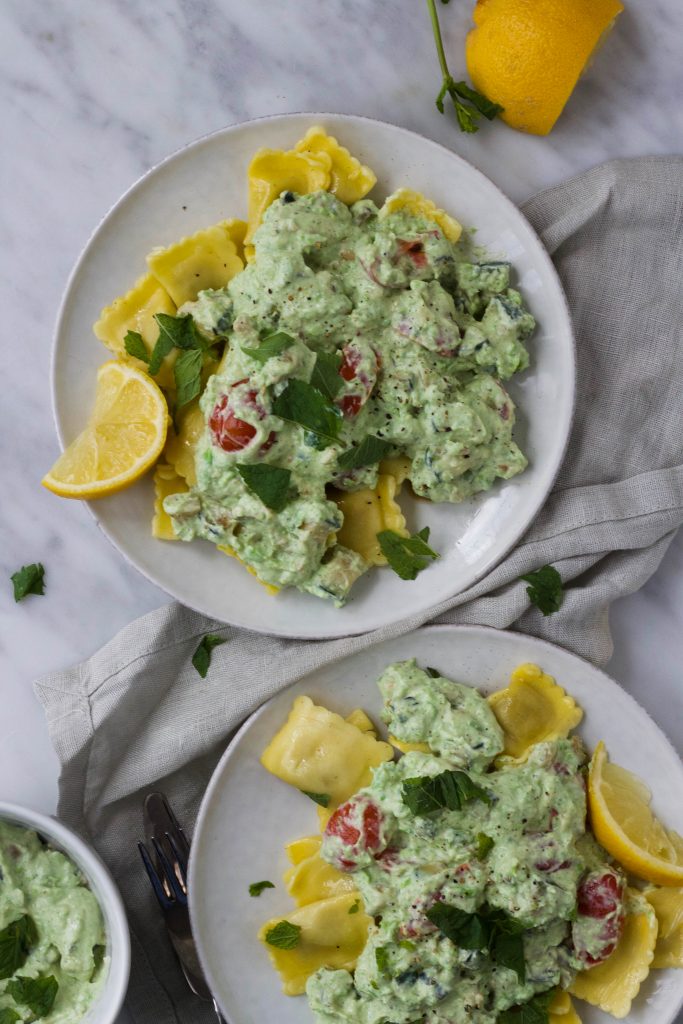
x=528 y=55
x=624 y=824
x=122 y=440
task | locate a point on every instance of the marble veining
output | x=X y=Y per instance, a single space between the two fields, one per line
x=95 y=94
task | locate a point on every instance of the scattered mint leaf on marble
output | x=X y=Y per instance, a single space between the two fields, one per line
x=30 y=579
x=284 y=935
x=271 y=346
x=545 y=590
x=370 y=450
x=322 y=799
x=37 y=993
x=269 y=483
x=135 y=346
x=304 y=404
x=201 y=659
x=468 y=104
x=16 y=940
x=256 y=888
x=407 y=556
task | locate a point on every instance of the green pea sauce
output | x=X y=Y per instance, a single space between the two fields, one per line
x=423 y=337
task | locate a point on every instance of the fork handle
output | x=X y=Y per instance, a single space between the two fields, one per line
x=219 y=1016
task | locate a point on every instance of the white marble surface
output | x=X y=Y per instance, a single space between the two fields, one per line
x=93 y=95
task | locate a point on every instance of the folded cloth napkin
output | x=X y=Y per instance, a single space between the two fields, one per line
x=137 y=716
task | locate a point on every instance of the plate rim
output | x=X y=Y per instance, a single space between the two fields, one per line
x=489 y=564
x=486 y=633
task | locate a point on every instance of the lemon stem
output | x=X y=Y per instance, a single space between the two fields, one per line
x=436 y=28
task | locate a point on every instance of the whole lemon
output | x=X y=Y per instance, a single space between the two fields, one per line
x=528 y=55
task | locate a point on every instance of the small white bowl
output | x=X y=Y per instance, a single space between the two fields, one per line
x=106 y=1007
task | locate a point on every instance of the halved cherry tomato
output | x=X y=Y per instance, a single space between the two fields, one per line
x=230 y=433
x=351 y=405
x=415 y=250
x=599 y=895
x=358 y=823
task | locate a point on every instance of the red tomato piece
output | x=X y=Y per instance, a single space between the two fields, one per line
x=415 y=250
x=600 y=895
x=230 y=433
x=358 y=823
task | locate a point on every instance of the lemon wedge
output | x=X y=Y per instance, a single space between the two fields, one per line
x=124 y=437
x=625 y=825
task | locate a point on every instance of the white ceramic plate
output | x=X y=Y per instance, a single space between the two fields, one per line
x=247 y=815
x=206 y=183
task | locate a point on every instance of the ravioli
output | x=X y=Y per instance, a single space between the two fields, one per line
x=368 y=511
x=667 y=904
x=405 y=199
x=273 y=171
x=318 y=751
x=350 y=180
x=207 y=259
x=614 y=984
x=330 y=937
x=166 y=482
x=532 y=709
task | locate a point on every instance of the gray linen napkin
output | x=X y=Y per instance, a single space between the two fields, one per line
x=136 y=716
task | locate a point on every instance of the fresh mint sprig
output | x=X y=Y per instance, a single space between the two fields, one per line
x=468 y=104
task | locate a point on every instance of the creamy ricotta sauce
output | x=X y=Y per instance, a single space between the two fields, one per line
x=423 y=337
x=69 y=944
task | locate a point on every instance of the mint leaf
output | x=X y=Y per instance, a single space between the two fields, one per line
x=269 y=483
x=284 y=935
x=484 y=845
x=36 y=993
x=201 y=659
x=8 y=1016
x=187 y=372
x=508 y=951
x=135 y=346
x=468 y=931
x=271 y=346
x=163 y=346
x=303 y=404
x=16 y=940
x=256 y=888
x=354 y=908
x=533 y=1012
x=433 y=672
x=323 y=799
x=382 y=959
x=370 y=450
x=482 y=104
x=449 y=790
x=180 y=331
x=30 y=579
x=546 y=589
x=325 y=376
x=407 y=556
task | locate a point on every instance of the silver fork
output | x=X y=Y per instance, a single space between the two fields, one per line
x=164 y=855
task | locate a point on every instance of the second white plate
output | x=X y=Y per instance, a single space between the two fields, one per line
x=247 y=815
